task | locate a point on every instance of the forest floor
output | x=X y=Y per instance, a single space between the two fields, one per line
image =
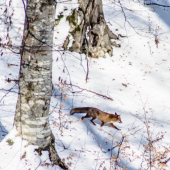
x=134 y=82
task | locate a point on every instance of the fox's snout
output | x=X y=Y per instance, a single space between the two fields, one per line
x=120 y=121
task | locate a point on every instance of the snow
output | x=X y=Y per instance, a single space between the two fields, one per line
x=136 y=78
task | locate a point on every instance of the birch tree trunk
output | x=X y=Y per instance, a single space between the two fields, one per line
x=35 y=82
x=89 y=30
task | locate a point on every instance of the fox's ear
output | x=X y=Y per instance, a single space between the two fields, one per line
x=115 y=113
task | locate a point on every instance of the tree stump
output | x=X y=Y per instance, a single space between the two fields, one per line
x=88 y=27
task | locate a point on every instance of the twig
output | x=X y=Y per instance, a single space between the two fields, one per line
x=157 y=4
x=119 y=151
x=104 y=96
x=7 y=93
x=77 y=160
x=87 y=74
x=65 y=66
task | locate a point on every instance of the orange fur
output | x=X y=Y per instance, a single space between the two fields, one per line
x=95 y=113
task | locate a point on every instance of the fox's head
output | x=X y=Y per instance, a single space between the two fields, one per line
x=118 y=118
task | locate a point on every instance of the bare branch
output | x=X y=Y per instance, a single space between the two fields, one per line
x=157 y=4
x=101 y=95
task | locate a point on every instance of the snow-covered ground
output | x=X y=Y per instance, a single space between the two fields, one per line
x=136 y=77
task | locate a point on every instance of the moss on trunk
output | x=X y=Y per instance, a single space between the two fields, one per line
x=89 y=30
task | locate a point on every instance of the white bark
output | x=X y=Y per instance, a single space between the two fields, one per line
x=35 y=84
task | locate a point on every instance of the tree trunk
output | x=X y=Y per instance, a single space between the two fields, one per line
x=35 y=83
x=89 y=30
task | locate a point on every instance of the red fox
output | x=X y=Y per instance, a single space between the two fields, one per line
x=95 y=113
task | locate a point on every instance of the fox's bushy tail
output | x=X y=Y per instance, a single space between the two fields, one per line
x=80 y=110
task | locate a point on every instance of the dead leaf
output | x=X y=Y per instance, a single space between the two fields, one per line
x=55 y=123
x=107 y=140
x=124 y=84
x=61 y=105
x=23 y=156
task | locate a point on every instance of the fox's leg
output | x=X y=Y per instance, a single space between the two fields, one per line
x=92 y=120
x=87 y=116
x=102 y=124
x=111 y=124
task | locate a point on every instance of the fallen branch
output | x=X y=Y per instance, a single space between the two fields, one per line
x=104 y=96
